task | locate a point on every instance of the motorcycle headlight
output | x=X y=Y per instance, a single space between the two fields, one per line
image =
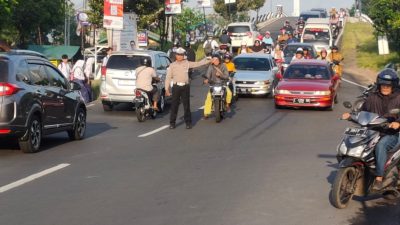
x=217 y=89
x=283 y=92
x=356 y=151
x=342 y=149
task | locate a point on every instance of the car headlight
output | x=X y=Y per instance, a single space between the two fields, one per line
x=322 y=92
x=265 y=82
x=283 y=92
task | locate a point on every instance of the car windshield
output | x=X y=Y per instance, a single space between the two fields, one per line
x=290 y=50
x=238 y=29
x=255 y=64
x=306 y=16
x=316 y=35
x=3 y=70
x=307 y=72
x=125 y=62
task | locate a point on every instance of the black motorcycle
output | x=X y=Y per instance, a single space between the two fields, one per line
x=144 y=106
x=356 y=157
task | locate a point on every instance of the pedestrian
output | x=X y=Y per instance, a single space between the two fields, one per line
x=65 y=67
x=178 y=74
x=78 y=76
x=105 y=59
x=190 y=54
x=210 y=46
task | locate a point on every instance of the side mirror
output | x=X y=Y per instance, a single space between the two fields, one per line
x=279 y=76
x=347 y=105
x=75 y=86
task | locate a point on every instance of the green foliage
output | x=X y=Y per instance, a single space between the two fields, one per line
x=386 y=17
x=188 y=19
x=240 y=7
x=96 y=13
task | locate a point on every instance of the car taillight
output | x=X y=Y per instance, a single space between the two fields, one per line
x=7 y=89
x=5 y=131
x=138 y=93
x=103 y=72
x=249 y=34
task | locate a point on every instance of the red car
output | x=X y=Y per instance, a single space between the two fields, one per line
x=307 y=83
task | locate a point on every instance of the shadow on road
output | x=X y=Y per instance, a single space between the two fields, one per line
x=382 y=213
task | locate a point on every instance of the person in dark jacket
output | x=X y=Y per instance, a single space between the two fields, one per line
x=381 y=102
x=190 y=54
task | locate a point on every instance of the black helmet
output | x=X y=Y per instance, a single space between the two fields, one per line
x=224 y=31
x=187 y=44
x=177 y=43
x=335 y=47
x=227 y=56
x=145 y=61
x=387 y=76
x=216 y=55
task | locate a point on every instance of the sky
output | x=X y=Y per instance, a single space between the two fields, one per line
x=287 y=4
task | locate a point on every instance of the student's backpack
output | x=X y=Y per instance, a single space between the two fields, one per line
x=208 y=48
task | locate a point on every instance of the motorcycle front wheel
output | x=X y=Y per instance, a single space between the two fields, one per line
x=217 y=110
x=343 y=187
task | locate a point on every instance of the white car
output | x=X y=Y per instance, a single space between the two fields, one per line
x=242 y=31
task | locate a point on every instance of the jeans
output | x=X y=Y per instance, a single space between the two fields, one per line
x=384 y=145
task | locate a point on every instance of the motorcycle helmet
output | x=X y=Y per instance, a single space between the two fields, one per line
x=300 y=51
x=388 y=77
x=267 y=33
x=335 y=48
x=224 y=31
x=228 y=56
x=145 y=61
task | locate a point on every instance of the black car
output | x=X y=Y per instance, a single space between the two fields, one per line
x=36 y=100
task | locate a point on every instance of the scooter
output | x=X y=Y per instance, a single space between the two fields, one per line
x=356 y=157
x=143 y=105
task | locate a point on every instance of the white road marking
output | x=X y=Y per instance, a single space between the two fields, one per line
x=32 y=177
x=202 y=107
x=351 y=82
x=154 y=131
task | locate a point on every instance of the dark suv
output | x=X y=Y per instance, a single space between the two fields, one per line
x=36 y=100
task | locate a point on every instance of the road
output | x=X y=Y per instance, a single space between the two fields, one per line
x=258 y=166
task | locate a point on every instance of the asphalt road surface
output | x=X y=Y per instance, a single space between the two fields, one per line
x=258 y=166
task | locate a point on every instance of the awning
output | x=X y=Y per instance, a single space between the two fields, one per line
x=53 y=52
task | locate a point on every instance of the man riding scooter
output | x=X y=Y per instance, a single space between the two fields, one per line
x=145 y=75
x=381 y=102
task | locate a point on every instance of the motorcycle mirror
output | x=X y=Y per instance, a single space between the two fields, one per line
x=347 y=105
x=394 y=111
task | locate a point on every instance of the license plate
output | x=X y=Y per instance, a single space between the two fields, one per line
x=126 y=82
x=353 y=131
x=245 y=90
x=302 y=100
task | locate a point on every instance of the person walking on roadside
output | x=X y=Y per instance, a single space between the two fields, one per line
x=178 y=74
x=78 y=75
x=65 y=67
x=105 y=59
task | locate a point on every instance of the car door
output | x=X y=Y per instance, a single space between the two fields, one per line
x=39 y=79
x=66 y=105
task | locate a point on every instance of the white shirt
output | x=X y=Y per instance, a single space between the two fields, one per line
x=144 y=77
x=214 y=44
x=105 y=60
x=65 y=69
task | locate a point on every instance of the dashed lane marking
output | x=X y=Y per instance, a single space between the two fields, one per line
x=32 y=177
x=154 y=131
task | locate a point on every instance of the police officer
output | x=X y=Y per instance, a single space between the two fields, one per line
x=178 y=73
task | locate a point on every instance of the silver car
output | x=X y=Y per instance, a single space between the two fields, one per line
x=255 y=73
x=119 y=76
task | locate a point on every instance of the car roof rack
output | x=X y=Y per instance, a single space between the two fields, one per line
x=25 y=52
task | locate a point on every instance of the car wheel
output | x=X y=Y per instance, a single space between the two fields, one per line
x=161 y=103
x=31 y=142
x=79 y=130
x=107 y=107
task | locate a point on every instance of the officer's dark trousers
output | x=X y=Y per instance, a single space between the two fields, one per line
x=180 y=93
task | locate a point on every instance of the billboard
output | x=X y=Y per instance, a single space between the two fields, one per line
x=113 y=14
x=121 y=39
x=173 y=7
x=142 y=39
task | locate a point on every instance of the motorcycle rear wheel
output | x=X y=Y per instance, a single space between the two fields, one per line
x=343 y=187
x=141 y=114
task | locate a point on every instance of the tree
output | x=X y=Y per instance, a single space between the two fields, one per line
x=386 y=17
x=96 y=12
x=241 y=6
x=35 y=18
x=187 y=19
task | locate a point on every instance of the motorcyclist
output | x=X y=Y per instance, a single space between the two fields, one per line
x=381 y=102
x=172 y=52
x=267 y=40
x=225 y=38
x=336 y=57
x=291 y=39
x=300 y=23
x=230 y=66
x=257 y=47
x=299 y=54
x=333 y=13
x=287 y=26
x=323 y=55
x=243 y=48
x=306 y=53
x=145 y=74
x=216 y=73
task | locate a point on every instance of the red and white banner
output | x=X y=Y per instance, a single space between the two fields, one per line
x=173 y=7
x=142 y=39
x=113 y=14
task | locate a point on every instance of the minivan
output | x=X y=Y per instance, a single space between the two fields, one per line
x=242 y=31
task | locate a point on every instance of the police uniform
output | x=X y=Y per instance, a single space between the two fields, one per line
x=177 y=73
